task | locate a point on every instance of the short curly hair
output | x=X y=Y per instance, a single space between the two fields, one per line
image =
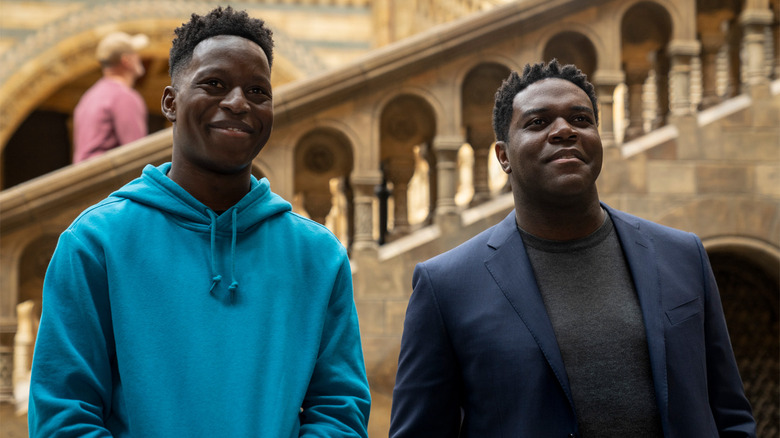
x=505 y=96
x=219 y=21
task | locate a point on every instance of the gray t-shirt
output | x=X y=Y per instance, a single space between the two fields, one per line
x=594 y=309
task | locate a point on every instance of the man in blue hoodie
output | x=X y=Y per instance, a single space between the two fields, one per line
x=192 y=302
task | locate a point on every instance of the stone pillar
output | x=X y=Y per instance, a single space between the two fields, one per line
x=399 y=171
x=24 y=340
x=481 y=143
x=662 y=88
x=635 y=80
x=605 y=82
x=363 y=187
x=754 y=23
x=711 y=43
x=680 y=53
x=446 y=148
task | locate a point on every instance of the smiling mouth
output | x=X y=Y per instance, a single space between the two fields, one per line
x=567 y=156
x=233 y=131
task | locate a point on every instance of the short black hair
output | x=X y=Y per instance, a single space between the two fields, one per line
x=505 y=96
x=219 y=21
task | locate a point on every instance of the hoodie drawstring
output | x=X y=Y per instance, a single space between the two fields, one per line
x=215 y=277
x=234 y=284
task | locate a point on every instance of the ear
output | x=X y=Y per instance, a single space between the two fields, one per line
x=125 y=61
x=503 y=159
x=169 y=103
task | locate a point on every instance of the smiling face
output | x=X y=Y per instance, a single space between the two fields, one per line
x=221 y=107
x=553 y=154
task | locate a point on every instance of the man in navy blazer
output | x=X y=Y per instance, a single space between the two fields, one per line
x=568 y=318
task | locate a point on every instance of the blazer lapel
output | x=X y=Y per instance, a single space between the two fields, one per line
x=510 y=268
x=641 y=258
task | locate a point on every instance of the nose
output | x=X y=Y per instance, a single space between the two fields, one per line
x=235 y=101
x=561 y=130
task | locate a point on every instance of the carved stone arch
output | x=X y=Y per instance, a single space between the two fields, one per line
x=478 y=92
x=512 y=64
x=647 y=23
x=573 y=47
x=758 y=251
x=646 y=29
x=322 y=152
x=424 y=96
x=407 y=121
x=322 y=155
x=680 y=28
x=350 y=137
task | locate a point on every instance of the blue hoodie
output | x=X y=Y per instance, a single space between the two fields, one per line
x=164 y=319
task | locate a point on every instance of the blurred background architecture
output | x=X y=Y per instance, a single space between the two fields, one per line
x=383 y=133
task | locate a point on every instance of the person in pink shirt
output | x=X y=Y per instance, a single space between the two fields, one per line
x=111 y=113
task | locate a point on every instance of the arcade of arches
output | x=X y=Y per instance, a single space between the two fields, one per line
x=392 y=148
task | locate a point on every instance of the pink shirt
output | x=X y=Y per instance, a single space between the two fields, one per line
x=108 y=115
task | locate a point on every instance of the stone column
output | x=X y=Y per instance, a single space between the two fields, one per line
x=363 y=187
x=754 y=23
x=446 y=148
x=481 y=142
x=711 y=44
x=680 y=53
x=399 y=171
x=24 y=340
x=635 y=80
x=605 y=82
x=661 y=66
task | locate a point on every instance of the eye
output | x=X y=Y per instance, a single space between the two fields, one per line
x=536 y=123
x=582 y=119
x=257 y=90
x=214 y=83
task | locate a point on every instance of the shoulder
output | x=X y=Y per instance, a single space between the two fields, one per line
x=302 y=230
x=662 y=236
x=464 y=255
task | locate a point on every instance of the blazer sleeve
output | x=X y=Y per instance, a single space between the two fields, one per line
x=730 y=408
x=427 y=393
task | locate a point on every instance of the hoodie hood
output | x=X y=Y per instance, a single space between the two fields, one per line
x=154 y=189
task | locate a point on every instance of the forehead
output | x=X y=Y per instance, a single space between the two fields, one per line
x=228 y=51
x=549 y=93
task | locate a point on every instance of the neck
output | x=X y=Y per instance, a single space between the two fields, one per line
x=121 y=76
x=217 y=191
x=560 y=221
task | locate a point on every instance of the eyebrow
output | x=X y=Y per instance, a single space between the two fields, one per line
x=534 y=111
x=221 y=70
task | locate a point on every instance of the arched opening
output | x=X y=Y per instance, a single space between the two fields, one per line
x=323 y=163
x=477 y=99
x=571 y=47
x=407 y=127
x=646 y=30
x=750 y=292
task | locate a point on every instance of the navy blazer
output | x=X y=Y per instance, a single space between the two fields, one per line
x=479 y=356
